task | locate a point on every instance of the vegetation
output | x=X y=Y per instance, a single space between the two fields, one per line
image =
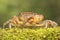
x=30 y=34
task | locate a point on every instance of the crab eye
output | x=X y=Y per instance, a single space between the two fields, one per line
x=37 y=16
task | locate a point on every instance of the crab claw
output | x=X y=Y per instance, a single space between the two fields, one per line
x=50 y=22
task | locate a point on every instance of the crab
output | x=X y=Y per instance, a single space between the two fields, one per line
x=28 y=19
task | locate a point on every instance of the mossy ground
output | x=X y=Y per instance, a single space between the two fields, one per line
x=30 y=34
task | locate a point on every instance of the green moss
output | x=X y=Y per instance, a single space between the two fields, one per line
x=30 y=34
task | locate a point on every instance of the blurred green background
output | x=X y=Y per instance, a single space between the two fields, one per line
x=49 y=8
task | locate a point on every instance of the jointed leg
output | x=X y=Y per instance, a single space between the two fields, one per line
x=10 y=25
x=50 y=22
x=46 y=25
